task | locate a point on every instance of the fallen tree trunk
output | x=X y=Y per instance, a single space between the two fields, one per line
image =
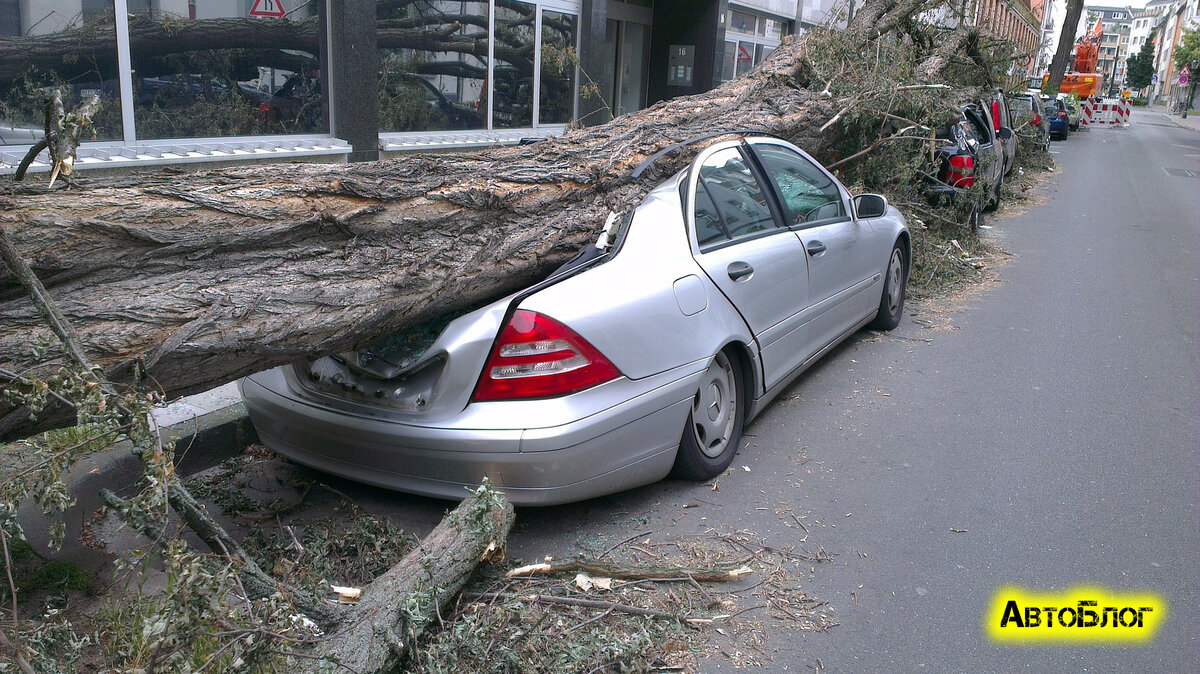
x=207 y=277
x=210 y=276
x=398 y=606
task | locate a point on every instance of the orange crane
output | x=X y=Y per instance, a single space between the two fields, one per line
x=1084 y=81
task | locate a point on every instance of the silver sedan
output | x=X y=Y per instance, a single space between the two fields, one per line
x=644 y=357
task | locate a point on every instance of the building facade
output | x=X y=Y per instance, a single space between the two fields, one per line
x=1176 y=17
x=1117 y=23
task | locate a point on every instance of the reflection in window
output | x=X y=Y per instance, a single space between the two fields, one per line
x=433 y=77
x=84 y=65
x=728 y=61
x=745 y=58
x=808 y=193
x=735 y=194
x=741 y=22
x=512 y=91
x=209 y=69
x=558 y=68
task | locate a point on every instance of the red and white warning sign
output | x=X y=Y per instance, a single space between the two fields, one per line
x=268 y=8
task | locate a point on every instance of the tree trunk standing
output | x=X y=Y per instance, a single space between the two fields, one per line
x=1066 y=40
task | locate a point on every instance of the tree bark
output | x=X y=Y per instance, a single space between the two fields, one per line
x=211 y=276
x=1066 y=40
x=398 y=606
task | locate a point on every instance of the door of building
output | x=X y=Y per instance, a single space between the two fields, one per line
x=627 y=55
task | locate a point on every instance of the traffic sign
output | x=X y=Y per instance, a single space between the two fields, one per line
x=1154 y=79
x=1184 y=76
x=268 y=9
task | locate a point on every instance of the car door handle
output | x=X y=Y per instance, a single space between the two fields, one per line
x=739 y=270
x=815 y=248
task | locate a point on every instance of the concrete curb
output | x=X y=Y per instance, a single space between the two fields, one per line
x=200 y=443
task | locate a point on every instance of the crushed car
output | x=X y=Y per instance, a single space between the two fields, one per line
x=644 y=357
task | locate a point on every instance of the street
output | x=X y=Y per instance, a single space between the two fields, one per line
x=1046 y=439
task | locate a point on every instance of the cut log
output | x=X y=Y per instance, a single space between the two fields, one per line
x=207 y=277
x=398 y=606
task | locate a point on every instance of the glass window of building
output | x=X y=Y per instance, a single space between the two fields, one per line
x=741 y=22
x=433 y=77
x=209 y=69
x=559 y=57
x=745 y=58
x=84 y=65
x=512 y=86
x=751 y=38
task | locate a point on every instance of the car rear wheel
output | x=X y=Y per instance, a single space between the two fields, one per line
x=714 y=426
x=973 y=218
x=891 y=302
x=994 y=202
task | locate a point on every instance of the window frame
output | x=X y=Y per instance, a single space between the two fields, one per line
x=693 y=180
x=843 y=194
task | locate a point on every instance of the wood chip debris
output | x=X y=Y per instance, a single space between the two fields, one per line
x=346 y=595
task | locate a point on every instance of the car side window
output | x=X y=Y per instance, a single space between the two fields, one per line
x=808 y=194
x=730 y=202
x=981 y=128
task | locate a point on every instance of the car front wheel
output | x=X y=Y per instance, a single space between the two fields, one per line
x=891 y=303
x=714 y=426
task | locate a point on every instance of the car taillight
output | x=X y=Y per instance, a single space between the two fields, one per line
x=996 y=115
x=962 y=171
x=1062 y=114
x=1037 y=119
x=538 y=357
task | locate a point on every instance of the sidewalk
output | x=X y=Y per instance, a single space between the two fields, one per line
x=1160 y=111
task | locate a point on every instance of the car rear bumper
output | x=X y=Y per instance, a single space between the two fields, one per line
x=627 y=445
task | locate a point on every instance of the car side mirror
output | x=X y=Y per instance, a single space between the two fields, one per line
x=870 y=206
x=1005 y=133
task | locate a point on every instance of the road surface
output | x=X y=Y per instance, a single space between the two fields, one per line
x=1053 y=422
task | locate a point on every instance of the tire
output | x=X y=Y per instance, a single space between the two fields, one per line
x=895 y=282
x=994 y=202
x=974 y=218
x=708 y=446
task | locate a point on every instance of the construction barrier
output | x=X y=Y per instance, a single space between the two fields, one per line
x=1088 y=111
x=1110 y=112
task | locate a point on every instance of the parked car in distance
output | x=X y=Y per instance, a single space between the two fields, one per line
x=969 y=153
x=1028 y=113
x=1060 y=120
x=645 y=356
x=1001 y=120
x=1069 y=102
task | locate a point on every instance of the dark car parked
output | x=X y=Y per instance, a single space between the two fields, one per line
x=1001 y=121
x=1060 y=120
x=971 y=165
x=1029 y=115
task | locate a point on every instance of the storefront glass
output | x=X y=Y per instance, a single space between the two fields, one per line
x=559 y=58
x=512 y=90
x=433 y=75
x=64 y=45
x=211 y=69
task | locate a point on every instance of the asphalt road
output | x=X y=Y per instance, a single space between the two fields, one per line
x=1045 y=435
x=1053 y=421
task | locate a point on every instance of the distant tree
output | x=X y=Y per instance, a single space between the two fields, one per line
x=1187 y=53
x=1140 y=67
